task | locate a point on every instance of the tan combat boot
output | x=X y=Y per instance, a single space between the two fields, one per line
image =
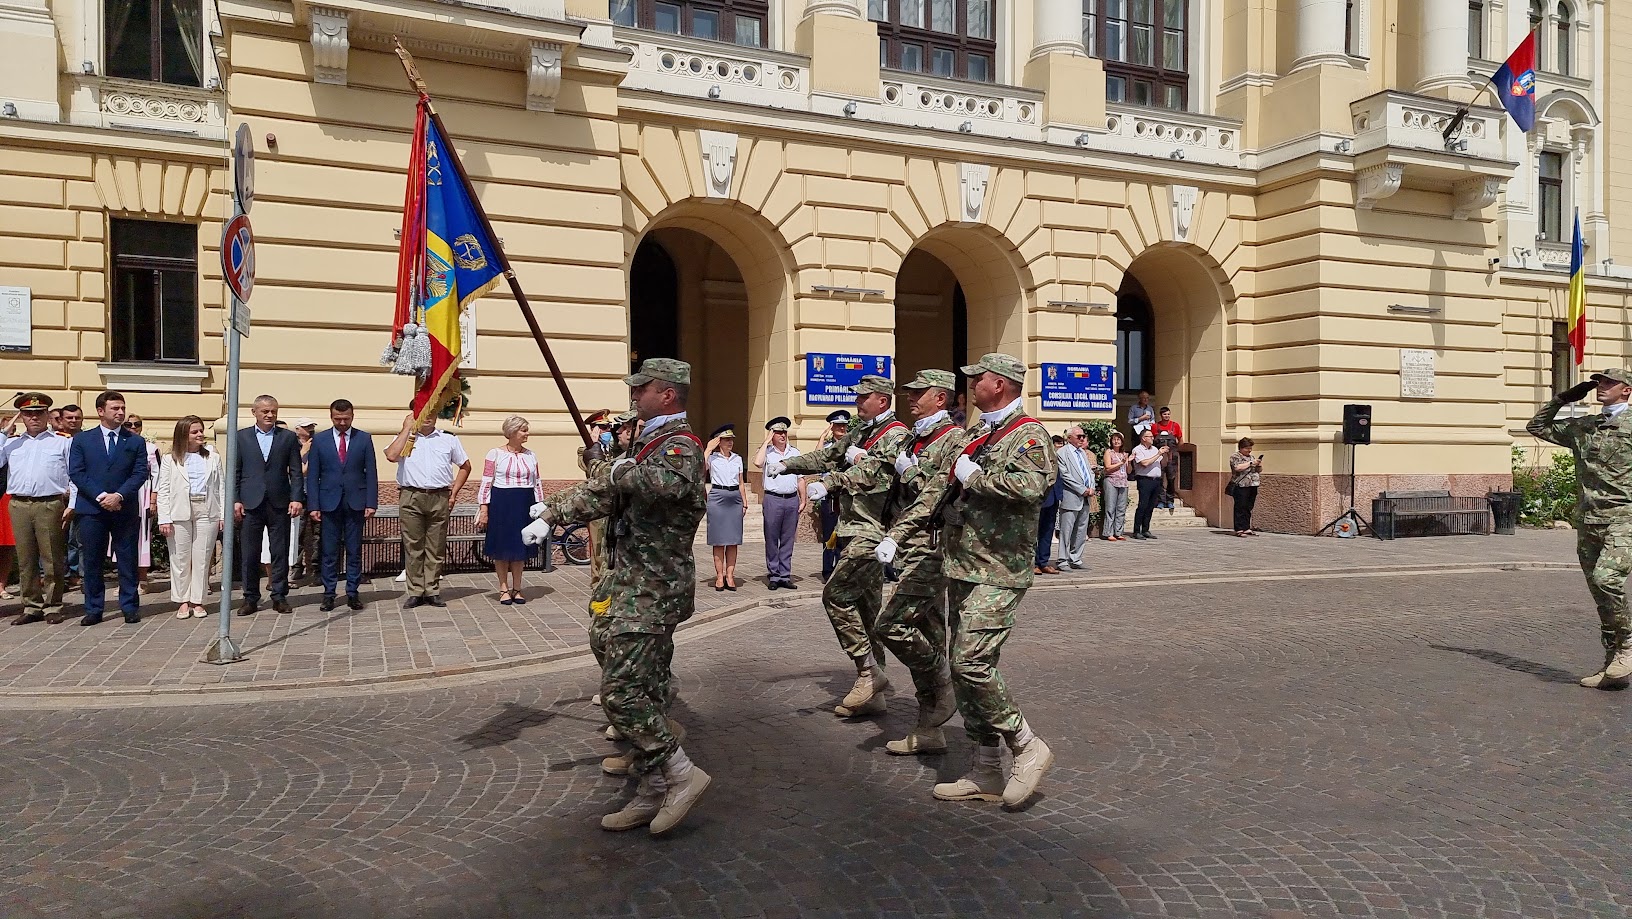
x=922 y=741
x=1619 y=668
x=685 y=784
x=870 y=681
x=619 y=765
x=640 y=811
x=1032 y=758
x=983 y=783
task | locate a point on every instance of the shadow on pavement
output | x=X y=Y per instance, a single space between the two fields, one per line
x=1516 y=664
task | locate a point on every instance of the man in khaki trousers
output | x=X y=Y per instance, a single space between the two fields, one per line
x=429 y=477
x=37 y=480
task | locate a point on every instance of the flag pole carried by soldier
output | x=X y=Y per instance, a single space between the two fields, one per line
x=860 y=468
x=652 y=499
x=989 y=528
x=1602 y=445
x=913 y=623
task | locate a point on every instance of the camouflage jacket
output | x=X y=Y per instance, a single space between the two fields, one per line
x=921 y=489
x=655 y=503
x=864 y=486
x=1603 y=459
x=996 y=542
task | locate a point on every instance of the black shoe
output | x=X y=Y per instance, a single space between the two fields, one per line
x=248 y=607
x=436 y=601
x=354 y=602
x=412 y=602
x=774 y=585
x=327 y=606
x=1150 y=535
x=28 y=619
x=133 y=618
x=281 y=605
x=91 y=620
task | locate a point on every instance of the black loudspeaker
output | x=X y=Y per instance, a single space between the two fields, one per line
x=1357 y=424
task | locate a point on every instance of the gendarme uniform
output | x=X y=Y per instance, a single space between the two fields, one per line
x=991 y=541
x=913 y=624
x=652 y=499
x=1602 y=444
x=860 y=468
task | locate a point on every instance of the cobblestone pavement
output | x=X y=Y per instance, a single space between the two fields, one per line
x=383 y=642
x=1391 y=747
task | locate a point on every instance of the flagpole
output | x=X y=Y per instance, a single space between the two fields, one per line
x=504 y=260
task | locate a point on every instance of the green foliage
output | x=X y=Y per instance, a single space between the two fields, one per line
x=1546 y=491
x=1099 y=434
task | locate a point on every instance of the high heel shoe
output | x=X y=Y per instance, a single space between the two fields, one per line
x=731 y=587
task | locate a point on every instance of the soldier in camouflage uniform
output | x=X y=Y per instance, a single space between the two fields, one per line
x=652 y=499
x=590 y=456
x=991 y=540
x=1602 y=445
x=860 y=468
x=913 y=624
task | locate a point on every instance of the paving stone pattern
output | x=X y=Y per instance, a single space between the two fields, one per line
x=384 y=642
x=1386 y=747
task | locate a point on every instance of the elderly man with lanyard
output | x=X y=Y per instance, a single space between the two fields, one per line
x=37 y=480
x=1602 y=445
x=913 y=624
x=990 y=536
x=652 y=499
x=860 y=468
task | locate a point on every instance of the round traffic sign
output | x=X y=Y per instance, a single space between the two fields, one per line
x=243 y=167
x=238 y=257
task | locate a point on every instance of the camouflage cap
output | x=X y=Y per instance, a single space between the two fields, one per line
x=945 y=379
x=624 y=417
x=1618 y=374
x=666 y=369
x=872 y=383
x=1003 y=365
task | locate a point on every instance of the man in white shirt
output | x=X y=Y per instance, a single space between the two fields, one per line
x=37 y=480
x=783 y=500
x=1077 y=482
x=431 y=469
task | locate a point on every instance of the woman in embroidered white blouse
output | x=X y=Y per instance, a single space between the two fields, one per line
x=510 y=485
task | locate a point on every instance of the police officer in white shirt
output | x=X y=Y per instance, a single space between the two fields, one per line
x=783 y=500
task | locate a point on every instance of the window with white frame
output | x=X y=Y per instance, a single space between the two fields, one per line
x=1476 y=28
x=1563 y=27
x=947 y=38
x=1550 y=195
x=161 y=41
x=740 y=22
x=153 y=299
x=1145 y=45
x=1554 y=24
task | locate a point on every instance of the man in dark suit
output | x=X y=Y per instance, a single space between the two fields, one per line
x=342 y=490
x=271 y=489
x=108 y=466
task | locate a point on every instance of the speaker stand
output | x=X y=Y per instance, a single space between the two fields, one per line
x=1362 y=526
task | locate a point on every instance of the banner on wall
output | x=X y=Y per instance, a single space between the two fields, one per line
x=1079 y=387
x=829 y=377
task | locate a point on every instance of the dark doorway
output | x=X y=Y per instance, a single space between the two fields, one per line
x=1135 y=338
x=960 y=333
x=654 y=305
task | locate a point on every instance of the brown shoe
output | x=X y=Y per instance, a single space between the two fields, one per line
x=29 y=619
x=248 y=608
x=282 y=606
x=57 y=618
x=1050 y=569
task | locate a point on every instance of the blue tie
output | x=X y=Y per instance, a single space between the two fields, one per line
x=113 y=441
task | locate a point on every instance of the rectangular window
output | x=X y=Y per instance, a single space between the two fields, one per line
x=878 y=10
x=1146 y=48
x=749 y=32
x=705 y=24
x=740 y=22
x=945 y=60
x=154 y=310
x=912 y=58
x=948 y=38
x=666 y=18
x=1563 y=50
x=157 y=40
x=1173 y=98
x=1550 y=196
x=1563 y=357
x=979 y=13
x=980 y=68
x=622 y=13
x=941 y=17
x=1116 y=89
x=912 y=13
x=1476 y=29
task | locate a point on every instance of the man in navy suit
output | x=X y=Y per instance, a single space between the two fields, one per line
x=342 y=490
x=108 y=465
x=271 y=490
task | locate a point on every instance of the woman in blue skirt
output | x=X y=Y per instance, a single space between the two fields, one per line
x=510 y=485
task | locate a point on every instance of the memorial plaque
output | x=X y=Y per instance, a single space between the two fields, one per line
x=1416 y=373
x=16 y=319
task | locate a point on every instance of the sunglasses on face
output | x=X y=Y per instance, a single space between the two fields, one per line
x=133 y=424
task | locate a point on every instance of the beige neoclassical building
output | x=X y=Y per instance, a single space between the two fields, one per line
x=1259 y=210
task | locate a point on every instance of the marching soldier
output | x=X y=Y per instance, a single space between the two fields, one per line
x=859 y=468
x=652 y=499
x=913 y=624
x=1602 y=445
x=990 y=533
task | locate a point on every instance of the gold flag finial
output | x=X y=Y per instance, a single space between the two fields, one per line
x=409 y=67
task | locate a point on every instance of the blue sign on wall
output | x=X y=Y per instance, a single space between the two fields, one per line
x=1079 y=387
x=828 y=377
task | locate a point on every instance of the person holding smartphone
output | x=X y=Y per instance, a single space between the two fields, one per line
x=1244 y=480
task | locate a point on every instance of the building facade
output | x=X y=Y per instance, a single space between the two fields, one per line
x=1259 y=210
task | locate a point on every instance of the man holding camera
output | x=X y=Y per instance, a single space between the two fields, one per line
x=1169 y=435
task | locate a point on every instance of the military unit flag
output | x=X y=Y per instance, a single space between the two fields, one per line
x=1516 y=83
x=1578 y=293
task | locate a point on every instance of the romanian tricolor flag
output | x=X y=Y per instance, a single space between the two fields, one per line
x=1578 y=293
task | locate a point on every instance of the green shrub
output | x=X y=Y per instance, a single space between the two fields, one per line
x=1546 y=489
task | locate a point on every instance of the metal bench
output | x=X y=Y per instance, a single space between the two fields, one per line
x=1399 y=514
x=383 y=550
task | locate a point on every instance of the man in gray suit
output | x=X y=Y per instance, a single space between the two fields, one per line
x=1077 y=482
x=271 y=490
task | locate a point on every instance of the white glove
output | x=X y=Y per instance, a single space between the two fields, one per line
x=535 y=533
x=854 y=453
x=965 y=468
x=537 y=510
x=903 y=462
x=774 y=468
x=886 y=550
x=815 y=491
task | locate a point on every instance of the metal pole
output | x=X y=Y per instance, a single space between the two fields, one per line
x=222 y=649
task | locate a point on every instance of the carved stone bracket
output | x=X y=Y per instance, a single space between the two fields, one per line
x=1376 y=183
x=330 y=44
x=543 y=76
x=719 y=161
x=1184 y=208
x=1474 y=195
x=973 y=179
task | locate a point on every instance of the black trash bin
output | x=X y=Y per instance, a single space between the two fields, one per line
x=1504 y=506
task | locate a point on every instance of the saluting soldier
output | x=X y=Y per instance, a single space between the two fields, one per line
x=37 y=480
x=652 y=499
x=913 y=624
x=860 y=468
x=1602 y=444
x=990 y=532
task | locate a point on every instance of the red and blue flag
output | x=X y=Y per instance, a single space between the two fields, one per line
x=1516 y=84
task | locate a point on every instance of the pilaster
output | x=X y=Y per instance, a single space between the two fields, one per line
x=28 y=69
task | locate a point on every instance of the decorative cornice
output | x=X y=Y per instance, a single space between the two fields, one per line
x=331 y=44
x=543 y=76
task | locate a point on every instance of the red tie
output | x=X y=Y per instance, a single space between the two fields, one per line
x=342 y=448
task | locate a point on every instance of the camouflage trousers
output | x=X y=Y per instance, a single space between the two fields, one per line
x=981 y=617
x=1606 y=557
x=853 y=595
x=635 y=681
x=597 y=550
x=913 y=624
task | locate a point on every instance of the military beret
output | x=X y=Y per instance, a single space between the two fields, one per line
x=1003 y=365
x=31 y=402
x=724 y=430
x=943 y=379
x=666 y=369
x=839 y=417
x=1618 y=374
x=872 y=383
x=779 y=423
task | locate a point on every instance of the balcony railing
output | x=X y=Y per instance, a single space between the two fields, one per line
x=1170 y=135
x=1409 y=122
x=712 y=70
x=957 y=105
x=116 y=103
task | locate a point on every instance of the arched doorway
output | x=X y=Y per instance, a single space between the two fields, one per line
x=654 y=299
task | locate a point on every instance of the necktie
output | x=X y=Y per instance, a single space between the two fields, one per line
x=113 y=441
x=342 y=448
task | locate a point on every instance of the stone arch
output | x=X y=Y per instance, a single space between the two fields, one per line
x=1575 y=108
x=990 y=285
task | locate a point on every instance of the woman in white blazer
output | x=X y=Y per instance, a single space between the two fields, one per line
x=190 y=498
